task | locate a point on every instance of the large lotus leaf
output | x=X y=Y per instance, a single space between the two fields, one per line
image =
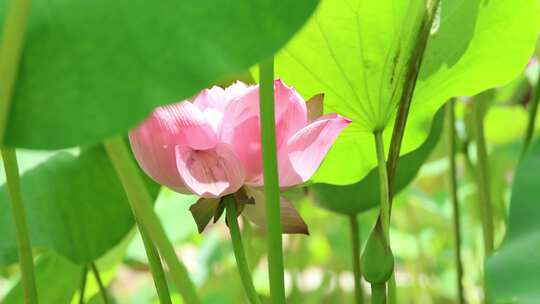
x=91 y=69
x=57 y=280
x=363 y=195
x=356 y=53
x=512 y=271
x=75 y=206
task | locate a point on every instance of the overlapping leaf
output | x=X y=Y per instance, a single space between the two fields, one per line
x=512 y=271
x=94 y=68
x=56 y=278
x=356 y=53
x=361 y=196
x=75 y=206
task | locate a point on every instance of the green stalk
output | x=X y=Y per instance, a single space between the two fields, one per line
x=154 y=260
x=413 y=70
x=102 y=288
x=24 y=248
x=10 y=52
x=392 y=290
x=155 y=267
x=533 y=109
x=141 y=205
x=271 y=184
x=11 y=47
x=383 y=186
x=387 y=170
x=355 y=239
x=83 y=285
x=379 y=289
x=238 y=247
x=451 y=123
x=378 y=293
x=482 y=175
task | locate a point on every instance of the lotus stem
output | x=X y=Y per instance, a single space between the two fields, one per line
x=102 y=288
x=24 y=248
x=533 y=109
x=83 y=284
x=482 y=178
x=271 y=185
x=11 y=46
x=239 y=253
x=451 y=123
x=141 y=205
x=155 y=267
x=355 y=240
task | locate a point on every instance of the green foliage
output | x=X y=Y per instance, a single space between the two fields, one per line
x=512 y=271
x=363 y=195
x=93 y=69
x=75 y=206
x=57 y=280
x=356 y=51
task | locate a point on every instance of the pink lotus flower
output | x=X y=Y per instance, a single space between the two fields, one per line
x=211 y=146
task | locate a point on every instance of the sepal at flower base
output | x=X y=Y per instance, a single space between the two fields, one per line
x=203 y=210
x=315 y=107
x=291 y=220
x=242 y=197
x=206 y=209
x=219 y=212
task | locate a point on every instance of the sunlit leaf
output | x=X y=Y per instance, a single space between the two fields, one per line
x=358 y=197
x=94 y=68
x=356 y=51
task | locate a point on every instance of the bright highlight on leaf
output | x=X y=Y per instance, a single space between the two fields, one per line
x=356 y=53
